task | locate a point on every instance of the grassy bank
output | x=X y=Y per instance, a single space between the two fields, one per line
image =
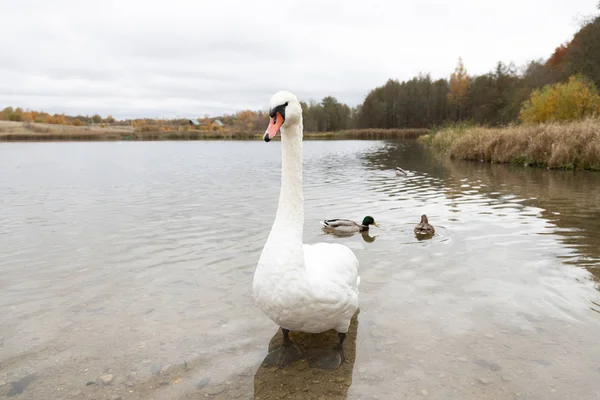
x=572 y=145
x=19 y=131
x=27 y=131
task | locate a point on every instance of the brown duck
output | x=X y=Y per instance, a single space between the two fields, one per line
x=423 y=228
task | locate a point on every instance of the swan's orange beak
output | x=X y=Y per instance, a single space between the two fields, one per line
x=274 y=125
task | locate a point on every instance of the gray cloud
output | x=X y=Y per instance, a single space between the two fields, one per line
x=191 y=58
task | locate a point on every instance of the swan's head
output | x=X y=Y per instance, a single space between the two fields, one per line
x=284 y=110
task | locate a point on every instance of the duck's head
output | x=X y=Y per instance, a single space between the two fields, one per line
x=284 y=111
x=368 y=220
x=424 y=219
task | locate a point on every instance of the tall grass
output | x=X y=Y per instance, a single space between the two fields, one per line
x=36 y=128
x=570 y=145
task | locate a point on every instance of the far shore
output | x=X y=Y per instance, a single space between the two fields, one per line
x=39 y=132
x=568 y=145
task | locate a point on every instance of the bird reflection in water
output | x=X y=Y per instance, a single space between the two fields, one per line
x=365 y=235
x=301 y=379
x=367 y=238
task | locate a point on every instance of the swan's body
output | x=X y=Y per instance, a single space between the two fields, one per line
x=424 y=228
x=324 y=296
x=301 y=287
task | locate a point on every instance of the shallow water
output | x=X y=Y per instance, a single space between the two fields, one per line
x=126 y=270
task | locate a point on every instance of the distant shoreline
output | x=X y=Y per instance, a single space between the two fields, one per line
x=38 y=132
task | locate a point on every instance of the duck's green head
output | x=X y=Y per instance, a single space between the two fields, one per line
x=368 y=220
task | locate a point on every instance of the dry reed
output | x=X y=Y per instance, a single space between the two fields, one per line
x=570 y=145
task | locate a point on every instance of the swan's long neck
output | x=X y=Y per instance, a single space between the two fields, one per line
x=289 y=220
x=283 y=254
x=281 y=267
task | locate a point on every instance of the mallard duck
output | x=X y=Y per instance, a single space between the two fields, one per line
x=348 y=226
x=423 y=228
x=308 y=288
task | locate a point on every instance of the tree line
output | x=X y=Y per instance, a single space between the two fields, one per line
x=19 y=115
x=493 y=99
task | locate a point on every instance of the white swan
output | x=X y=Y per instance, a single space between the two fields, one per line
x=301 y=287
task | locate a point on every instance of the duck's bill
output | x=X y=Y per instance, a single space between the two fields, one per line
x=274 y=125
x=375 y=223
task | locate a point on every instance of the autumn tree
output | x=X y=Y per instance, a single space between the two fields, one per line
x=557 y=57
x=459 y=86
x=28 y=116
x=5 y=114
x=206 y=123
x=57 y=119
x=583 y=53
x=576 y=99
x=96 y=119
x=244 y=121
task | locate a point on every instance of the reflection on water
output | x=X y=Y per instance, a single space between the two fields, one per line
x=126 y=270
x=300 y=380
x=569 y=201
x=367 y=236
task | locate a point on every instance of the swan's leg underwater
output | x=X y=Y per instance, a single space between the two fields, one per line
x=286 y=354
x=329 y=359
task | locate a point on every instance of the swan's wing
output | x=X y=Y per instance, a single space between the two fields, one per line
x=332 y=278
x=338 y=223
x=333 y=265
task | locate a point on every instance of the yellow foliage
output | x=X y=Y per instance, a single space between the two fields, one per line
x=138 y=123
x=27 y=117
x=459 y=84
x=571 y=101
x=56 y=119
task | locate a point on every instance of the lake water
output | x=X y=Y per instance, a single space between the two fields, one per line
x=126 y=272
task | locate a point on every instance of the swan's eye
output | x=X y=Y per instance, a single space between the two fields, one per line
x=279 y=109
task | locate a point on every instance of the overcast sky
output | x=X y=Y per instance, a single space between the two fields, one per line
x=187 y=58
